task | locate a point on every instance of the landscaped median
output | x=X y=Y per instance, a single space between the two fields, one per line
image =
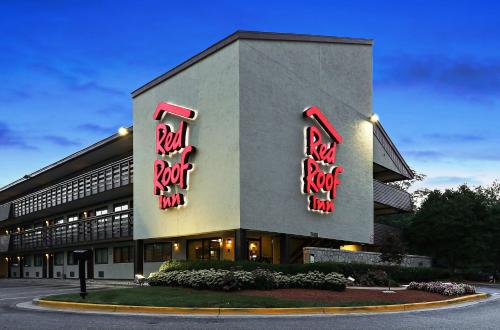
x=168 y=300
x=252 y=288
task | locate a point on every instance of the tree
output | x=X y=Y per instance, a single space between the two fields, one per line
x=452 y=226
x=392 y=250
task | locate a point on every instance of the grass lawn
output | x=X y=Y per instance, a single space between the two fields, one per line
x=179 y=297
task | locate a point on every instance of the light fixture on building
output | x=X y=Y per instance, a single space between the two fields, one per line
x=47 y=255
x=122 y=131
x=176 y=246
x=46 y=222
x=18 y=258
x=18 y=228
x=374 y=118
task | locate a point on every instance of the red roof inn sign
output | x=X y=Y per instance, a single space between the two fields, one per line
x=319 y=174
x=168 y=178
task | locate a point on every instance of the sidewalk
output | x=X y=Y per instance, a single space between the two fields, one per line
x=68 y=282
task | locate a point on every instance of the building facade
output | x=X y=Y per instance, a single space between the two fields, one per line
x=253 y=149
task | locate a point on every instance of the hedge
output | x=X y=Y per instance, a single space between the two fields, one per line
x=396 y=273
x=260 y=279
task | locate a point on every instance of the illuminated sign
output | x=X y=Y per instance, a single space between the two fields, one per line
x=319 y=173
x=170 y=177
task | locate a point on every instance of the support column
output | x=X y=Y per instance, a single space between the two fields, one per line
x=21 y=267
x=240 y=245
x=284 y=249
x=44 y=265
x=139 y=257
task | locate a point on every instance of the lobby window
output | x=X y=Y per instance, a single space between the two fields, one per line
x=59 y=259
x=157 y=252
x=122 y=254
x=254 y=250
x=101 y=256
x=28 y=261
x=72 y=259
x=205 y=249
x=38 y=260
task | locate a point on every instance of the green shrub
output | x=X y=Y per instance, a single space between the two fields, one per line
x=232 y=280
x=395 y=273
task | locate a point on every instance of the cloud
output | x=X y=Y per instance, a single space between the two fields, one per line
x=60 y=140
x=12 y=139
x=84 y=83
x=464 y=77
x=424 y=154
x=94 y=128
x=451 y=180
x=451 y=137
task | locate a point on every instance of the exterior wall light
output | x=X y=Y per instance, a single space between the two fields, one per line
x=374 y=118
x=122 y=131
x=176 y=246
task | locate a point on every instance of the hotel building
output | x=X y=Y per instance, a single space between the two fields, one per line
x=259 y=146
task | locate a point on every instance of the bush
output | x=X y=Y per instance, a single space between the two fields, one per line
x=260 y=279
x=396 y=273
x=263 y=279
x=446 y=289
x=373 y=278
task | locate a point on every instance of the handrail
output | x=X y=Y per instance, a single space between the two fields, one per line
x=71 y=189
x=116 y=225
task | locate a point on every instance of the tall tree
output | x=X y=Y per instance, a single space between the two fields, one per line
x=450 y=226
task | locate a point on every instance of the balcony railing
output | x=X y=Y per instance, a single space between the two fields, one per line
x=391 y=197
x=111 y=176
x=106 y=227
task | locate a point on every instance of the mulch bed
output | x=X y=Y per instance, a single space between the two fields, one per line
x=349 y=295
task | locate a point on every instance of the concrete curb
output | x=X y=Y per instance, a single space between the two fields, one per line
x=256 y=311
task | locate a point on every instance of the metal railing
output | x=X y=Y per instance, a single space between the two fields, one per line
x=106 y=227
x=391 y=196
x=110 y=176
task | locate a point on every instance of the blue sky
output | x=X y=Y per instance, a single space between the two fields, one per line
x=67 y=69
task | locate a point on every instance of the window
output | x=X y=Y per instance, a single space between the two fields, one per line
x=59 y=259
x=72 y=218
x=205 y=249
x=28 y=261
x=38 y=260
x=101 y=211
x=121 y=207
x=101 y=256
x=72 y=260
x=122 y=254
x=157 y=252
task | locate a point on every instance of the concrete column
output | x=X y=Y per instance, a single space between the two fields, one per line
x=240 y=245
x=284 y=249
x=139 y=257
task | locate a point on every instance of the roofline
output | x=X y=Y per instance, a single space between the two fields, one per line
x=66 y=159
x=403 y=161
x=248 y=35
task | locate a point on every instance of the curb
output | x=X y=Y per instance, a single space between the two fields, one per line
x=257 y=311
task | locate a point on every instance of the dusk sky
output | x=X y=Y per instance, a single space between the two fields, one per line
x=67 y=69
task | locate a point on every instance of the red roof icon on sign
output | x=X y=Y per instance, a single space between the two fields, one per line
x=315 y=112
x=164 y=107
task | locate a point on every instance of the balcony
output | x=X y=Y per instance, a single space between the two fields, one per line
x=388 y=199
x=113 y=226
x=106 y=178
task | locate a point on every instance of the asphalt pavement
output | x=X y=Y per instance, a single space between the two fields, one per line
x=481 y=315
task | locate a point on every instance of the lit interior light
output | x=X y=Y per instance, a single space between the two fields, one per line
x=18 y=258
x=47 y=255
x=18 y=228
x=374 y=118
x=47 y=222
x=122 y=131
